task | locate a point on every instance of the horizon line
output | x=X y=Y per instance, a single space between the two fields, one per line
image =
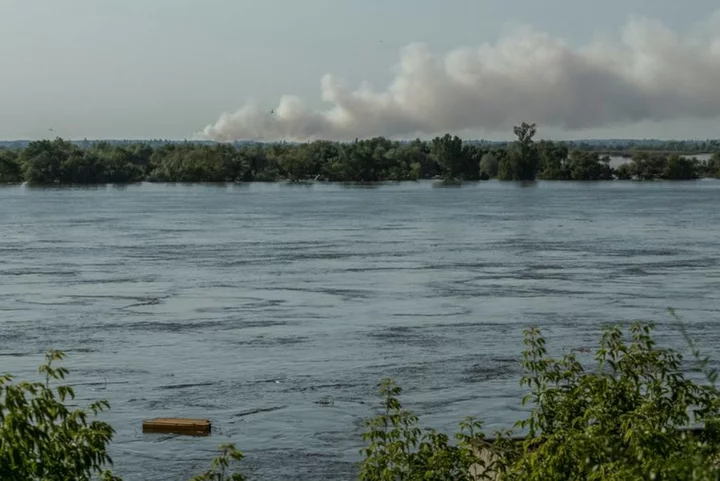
x=470 y=139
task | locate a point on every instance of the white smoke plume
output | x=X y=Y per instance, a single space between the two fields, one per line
x=650 y=74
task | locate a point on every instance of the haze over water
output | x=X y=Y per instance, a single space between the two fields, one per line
x=275 y=310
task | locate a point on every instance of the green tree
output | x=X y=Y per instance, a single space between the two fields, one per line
x=712 y=168
x=356 y=162
x=472 y=155
x=42 y=439
x=139 y=155
x=306 y=161
x=624 y=171
x=220 y=466
x=680 y=168
x=628 y=418
x=397 y=449
x=264 y=163
x=361 y=161
x=588 y=166
x=405 y=161
x=489 y=166
x=369 y=160
x=82 y=167
x=625 y=420
x=648 y=166
x=422 y=165
x=522 y=160
x=447 y=151
x=324 y=153
x=198 y=163
x=43 y=160
x=553 y=157
x=10 y=168
x=120 y=164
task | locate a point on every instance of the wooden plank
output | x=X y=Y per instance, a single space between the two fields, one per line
x=191 y=427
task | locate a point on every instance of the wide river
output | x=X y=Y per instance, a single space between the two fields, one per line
x=274 y=310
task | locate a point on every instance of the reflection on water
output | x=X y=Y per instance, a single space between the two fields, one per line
x=275 y=309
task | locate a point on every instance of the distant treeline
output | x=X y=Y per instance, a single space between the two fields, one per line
x=379 y=159
x=615 y=147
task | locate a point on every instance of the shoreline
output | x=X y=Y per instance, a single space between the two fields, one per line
x=439 y=182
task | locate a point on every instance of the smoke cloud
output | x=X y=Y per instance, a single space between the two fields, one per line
x=649 y=74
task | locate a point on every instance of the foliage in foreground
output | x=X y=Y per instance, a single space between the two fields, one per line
x=626 y=419
x=398 y=449
x=43 y=439
x=220 y=466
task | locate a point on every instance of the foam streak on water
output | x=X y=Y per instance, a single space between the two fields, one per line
x=275 y=310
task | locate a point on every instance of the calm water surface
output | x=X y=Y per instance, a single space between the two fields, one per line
x=274 y=310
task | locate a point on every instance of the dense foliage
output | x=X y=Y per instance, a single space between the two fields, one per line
x=633 y=416
x=41 y=438
x=398 y=450
x=626 y=419
x=220 y=466
x=378 y=159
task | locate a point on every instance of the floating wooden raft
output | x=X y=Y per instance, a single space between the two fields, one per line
x=190 y=427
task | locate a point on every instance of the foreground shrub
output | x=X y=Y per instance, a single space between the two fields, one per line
x=626 y=419
x=42 y=439
x=220 y=466
x=398 y=449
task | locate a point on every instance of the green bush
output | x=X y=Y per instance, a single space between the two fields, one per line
x=41 y=439
x=398 y=450
x=220 y=465
x=627 y=419
x=10 y=167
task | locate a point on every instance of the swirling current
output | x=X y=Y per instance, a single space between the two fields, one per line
x=275 y=309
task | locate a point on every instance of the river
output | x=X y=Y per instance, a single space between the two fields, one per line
x=274 y=309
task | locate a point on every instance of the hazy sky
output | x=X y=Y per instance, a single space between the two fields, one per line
x=168 y=68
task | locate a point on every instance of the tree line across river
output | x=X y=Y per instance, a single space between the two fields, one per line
x=59 y=161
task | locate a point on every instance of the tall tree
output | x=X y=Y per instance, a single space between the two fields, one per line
x=10 y=168
x=589 y=166
x=471 y=156
x=648 y=166
x=680 y=168
x=522 y=160
x=553 y=157
x=712 y=168
x=489 y=166
x=448 y=153
x=43 y=160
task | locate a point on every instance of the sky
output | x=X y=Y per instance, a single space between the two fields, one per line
x=298 y=70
